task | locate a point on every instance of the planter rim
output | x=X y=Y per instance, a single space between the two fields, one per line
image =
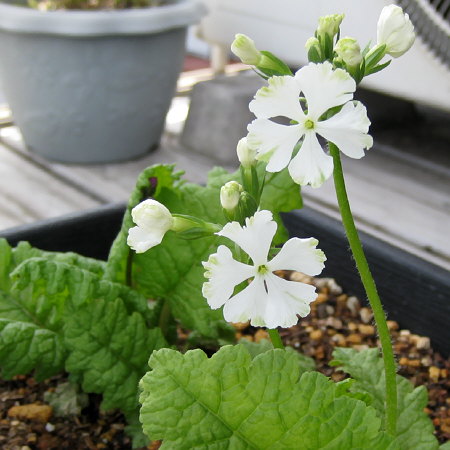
x=180 y=14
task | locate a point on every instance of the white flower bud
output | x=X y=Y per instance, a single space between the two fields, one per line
x=229 y=195
x=395 y=30
x=349 y=51
x=246 y=155
x=244 y=48
x=329 y=25
x=153 y=220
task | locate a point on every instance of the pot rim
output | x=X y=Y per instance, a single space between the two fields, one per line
x=136 y=21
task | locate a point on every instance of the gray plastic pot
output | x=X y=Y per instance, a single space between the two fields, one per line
x=92 y=86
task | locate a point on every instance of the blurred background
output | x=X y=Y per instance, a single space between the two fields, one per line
x=400 y=192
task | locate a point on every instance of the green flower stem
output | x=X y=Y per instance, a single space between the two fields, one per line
x=371 y=291
x=275 y=338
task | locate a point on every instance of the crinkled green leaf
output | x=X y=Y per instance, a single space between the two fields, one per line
x=109 y=349
x=45 y=285
x=414 y=428
x=306 y=363
x=10 y=258
x=232 y=401
x=26 y=346
x=32 y=313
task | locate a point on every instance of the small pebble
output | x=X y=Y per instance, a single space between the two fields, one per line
x=321 y=298
x=339 y=339
x=352 y=326
x=353 y=304
x=316 y=334
x=426 y=361
x=434 y=373
x=414 y=363
x=366 y=314
x=423 y=343
x=354 y=339
x=330 y=310
x=333 y=322
x=366 y=330
x=403 y=361
x=261 y=334
x=49 y=427
x=392 y=325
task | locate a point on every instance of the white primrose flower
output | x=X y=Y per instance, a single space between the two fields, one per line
x=153 y=220
x=323 y=88
x=268 y=300
x=396 y=30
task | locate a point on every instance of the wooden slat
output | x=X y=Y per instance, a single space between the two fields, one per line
x=28 y=193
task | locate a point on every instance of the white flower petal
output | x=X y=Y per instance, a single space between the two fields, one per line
x=279 y=98
x=151 y=214
x=286 y=299
x=224 y=273
x=324 y=87
x=348 y=130
x=311 y=165
x=255 y=237
x=249 y=304
x=274 y=142
x=141 y=240
x=300 y=255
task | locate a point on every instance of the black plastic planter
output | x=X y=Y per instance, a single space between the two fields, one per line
x=414 y=292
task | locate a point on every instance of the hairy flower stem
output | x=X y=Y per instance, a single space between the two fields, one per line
x=371 y=291
x=275 y=338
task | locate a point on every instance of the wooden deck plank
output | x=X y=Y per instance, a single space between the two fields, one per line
x=28 y=193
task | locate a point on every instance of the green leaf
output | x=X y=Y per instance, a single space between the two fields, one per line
x=25 y=346
x=232 y=401
x=414 y=428
x=32 y=313
x=10 y=258
x=256 y=348
x=109 y=349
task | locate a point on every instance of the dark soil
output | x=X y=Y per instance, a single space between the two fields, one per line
x=336 y=320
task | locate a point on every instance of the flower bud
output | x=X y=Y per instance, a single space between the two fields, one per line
x=349 y=51
x=329 y=25
x=311 y=43
x=229 y=195
x=246 y=155
x=153 y=220
x=395 y=30
x=244 y=48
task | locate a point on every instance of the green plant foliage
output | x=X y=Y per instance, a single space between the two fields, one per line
x=232 y=401
x=414 y=428
x=109 y=349
x=305 y=363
